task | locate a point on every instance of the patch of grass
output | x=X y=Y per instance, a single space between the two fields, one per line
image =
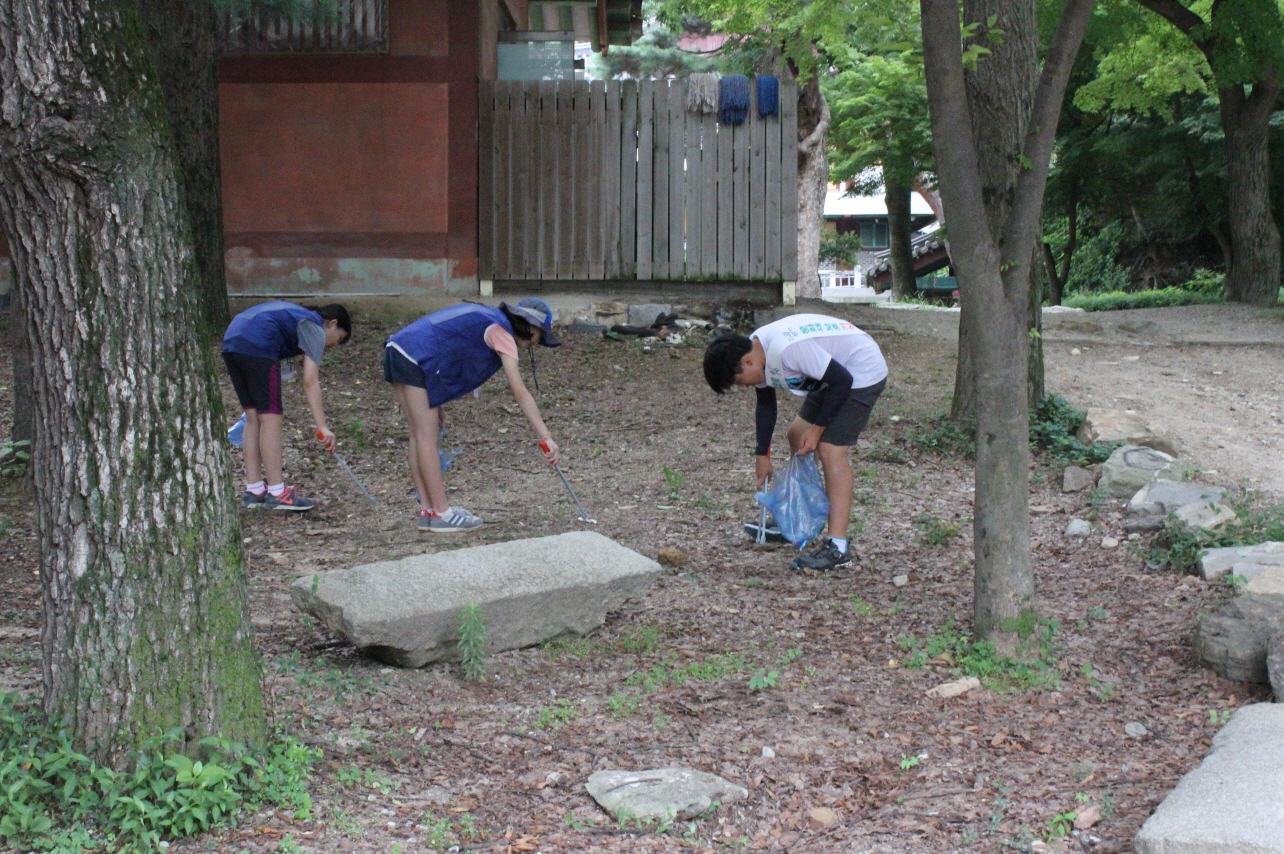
x=561 y=712
x=936 y=532
x=640 y=640
x=1161 y=298
x=575 y=646
x=948 y=438
x=1179 y=545
x=622 y=705
x=972 y=658
x=675 y=479
x=671 y=672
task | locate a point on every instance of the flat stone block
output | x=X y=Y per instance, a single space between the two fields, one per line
x=1248 y=561
x=1233 y=803
x=1166 y=496
x=1132 y=467
x=662 y=794
x=645 y=315
x=406 y=612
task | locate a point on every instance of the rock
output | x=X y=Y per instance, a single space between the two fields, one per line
x=1137 y=327
x=671 y=557
x=645 y=314
x=1210 y=516
x=1079 y=326
x=1233 y=641
x=665 y=794
x=1077 y=479
x=1078 y=528
x=1231 y=802
x=768 y=753
x=821 y=818
x=955 y=688
x=1247 y=561
x=900 y=580
x=1132 y=467
x=1109 y=543
x=279 y=559
x=406 y=612
x=609 y=314
x=1134 y=729
x=1087 y=817
x=1275 y=665
x=1143 y=524
x=1118 y=425
x=1161 y=497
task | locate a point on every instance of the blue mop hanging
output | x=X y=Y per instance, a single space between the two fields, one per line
x=768 y=96
x=733 y=104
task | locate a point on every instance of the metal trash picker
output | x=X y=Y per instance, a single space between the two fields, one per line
x=343 y=464
x=584 y=516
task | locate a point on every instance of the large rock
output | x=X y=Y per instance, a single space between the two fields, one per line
x=1162 y=496
x=1207 y=516
x=406 y=612
x=1246 y=561
x=1132 y=467
x=645 y=315
x=1275 y=665
x=1233 y=803
x=1118 y=425
x=1077 y=479
x=1233 y=642
x=665 y=794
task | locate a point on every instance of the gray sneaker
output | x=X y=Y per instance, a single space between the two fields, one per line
x=454 y=519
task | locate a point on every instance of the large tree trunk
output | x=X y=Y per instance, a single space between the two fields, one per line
x=999 y=291
x=184 y=36
x=1253 y=268
x=146 y=626
x=899 y=230
x=24 y=413
x=813 y=179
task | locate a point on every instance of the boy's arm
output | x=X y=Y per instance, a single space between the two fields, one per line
x=838 y=386
x=526 y=402
x=764 y=416
x=312 y=391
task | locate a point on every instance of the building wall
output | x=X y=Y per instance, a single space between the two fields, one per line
x=348 y=173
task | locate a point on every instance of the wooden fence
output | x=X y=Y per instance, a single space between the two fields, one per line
x=619 y=181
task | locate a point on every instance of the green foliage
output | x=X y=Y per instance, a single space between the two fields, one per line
x=936 y=532
x=654 y=56
x=947 y=437
x=640 y=640
x=908 y=762
x=575 y=646
x=839 y=249
x=1179 y=545
x=1060 y=825
x=472 y=642
x=878 y=105
x=675 y=480
x=561 y=712
x=356 y=432
x=54 y=798
x=1053 y=424
x=978 y=658
x=671 y=672
x=14 y=457
x=1161 y=298
x=763 y=679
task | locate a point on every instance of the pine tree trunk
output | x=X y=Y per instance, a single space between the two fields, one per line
x=898 y=230
x=1253 y=268
x=813 y=180
x=184 y=36
x=146 y=625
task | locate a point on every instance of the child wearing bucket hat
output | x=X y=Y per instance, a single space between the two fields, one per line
x=444 y=356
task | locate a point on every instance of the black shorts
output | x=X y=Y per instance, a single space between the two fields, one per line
x=398 y=368
x=852 y=415
x=257 y=382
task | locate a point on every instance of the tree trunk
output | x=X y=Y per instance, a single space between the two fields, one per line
x=1034 y=385
x=813 y=180
x=146 y=625
x=184 y=36
x=24 y=421
x=899 y=229
x=1253 y=268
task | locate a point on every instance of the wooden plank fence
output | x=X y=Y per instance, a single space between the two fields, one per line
x=618 y=181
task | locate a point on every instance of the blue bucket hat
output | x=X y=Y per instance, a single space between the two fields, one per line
x=540 y=315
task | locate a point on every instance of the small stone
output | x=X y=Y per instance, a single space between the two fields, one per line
x=900 y=580
x=955 y=688
x=1144 y=524
x=821 y=817
x=279 y=559
x=1077 y=479
x=670 y=556
x=1087 y=817
x=1078 y=528
x=1136 y=730
x=1075 y=351
x=768 y=753
x=1109 y=543
x=557 y=779
x=662 y=794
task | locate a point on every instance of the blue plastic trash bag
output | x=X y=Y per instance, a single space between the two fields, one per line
x=798 y=500
x=236 y=433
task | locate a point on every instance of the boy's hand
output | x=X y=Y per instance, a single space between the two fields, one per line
x=810 y=440
x=552 y=453
x=326 y=436
x=762 y=469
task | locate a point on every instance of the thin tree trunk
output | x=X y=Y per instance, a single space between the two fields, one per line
x=1253 y=270
x=146 y=625
x=1034 y=385
x=899 y=229
x=184 y=36
x=813 y=180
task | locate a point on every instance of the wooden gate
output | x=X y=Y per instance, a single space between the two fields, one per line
x=619 y=181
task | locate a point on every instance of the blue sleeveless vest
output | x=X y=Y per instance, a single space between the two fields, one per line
x=268 y=331
x=450 y=347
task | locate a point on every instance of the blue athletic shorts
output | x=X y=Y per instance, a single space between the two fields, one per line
x=397 y=368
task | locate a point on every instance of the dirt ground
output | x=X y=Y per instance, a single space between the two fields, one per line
x=421 y=760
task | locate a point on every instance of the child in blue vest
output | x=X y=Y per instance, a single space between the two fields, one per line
x=445 y=356
x=253 y=347
x=839 y=371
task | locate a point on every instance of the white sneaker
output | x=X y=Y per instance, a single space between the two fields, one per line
x=454 y=519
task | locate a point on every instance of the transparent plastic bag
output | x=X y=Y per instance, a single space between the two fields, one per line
x=798 y=501
x=236 y=434
x=445 y=456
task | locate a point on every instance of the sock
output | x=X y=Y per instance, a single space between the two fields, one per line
x=428 y=511
x=256 y=488
x=841 y=545
x=277 y=489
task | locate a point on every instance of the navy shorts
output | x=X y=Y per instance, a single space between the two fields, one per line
x=257 y=382
x=852 y=415
x=397 y=368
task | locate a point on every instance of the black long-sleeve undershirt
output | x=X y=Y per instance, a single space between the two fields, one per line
x=764 y=416
x=837 y=386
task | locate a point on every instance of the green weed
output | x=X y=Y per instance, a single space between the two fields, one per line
x=575 y=646
x=1053 y=424
x=640 y=640
x=14 y=457
x=971 y=658
x=1179 y=545
x=621 y=705
x=908 y=762
x=561 y=712
x=675 y=480
x=472 y=642
x=948 y=438
x=936 y=532
x=1059 y=825
x=763 y=679
x=671 y=672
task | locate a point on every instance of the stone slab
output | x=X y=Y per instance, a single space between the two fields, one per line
x=662 y=794
x=1275 y=665
x=1163 y=496
x=1233 y=802
x=1247 y=561
x=645 y=315
x=1208 y=515
x=1077 y=479
x=1121 y=425
x=1132 y=467
x=406 y=612
x=1233 y=641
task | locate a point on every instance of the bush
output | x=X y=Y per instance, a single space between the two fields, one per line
x=1163 y=298
x=840 y=249
x=1053 y=424
x=1179 y=545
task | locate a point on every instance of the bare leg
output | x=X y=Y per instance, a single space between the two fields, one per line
x=250 y=447
x=838 y=486
x=269 y=448
x=422 y=423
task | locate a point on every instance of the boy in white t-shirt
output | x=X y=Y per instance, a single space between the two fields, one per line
x=840 y=371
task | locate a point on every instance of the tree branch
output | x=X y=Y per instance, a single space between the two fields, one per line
x=817 y=134
x=1183 y=19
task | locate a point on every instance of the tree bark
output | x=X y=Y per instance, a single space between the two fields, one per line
x=813 y=180
x=899 y=230
x=146 y=625
x=993 y=266
x=184 y=36
x=24 y=421
x=1253 y=269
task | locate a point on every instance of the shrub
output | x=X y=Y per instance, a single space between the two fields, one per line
x=840 y=249
x=1163 y=298
x=1053 y=424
